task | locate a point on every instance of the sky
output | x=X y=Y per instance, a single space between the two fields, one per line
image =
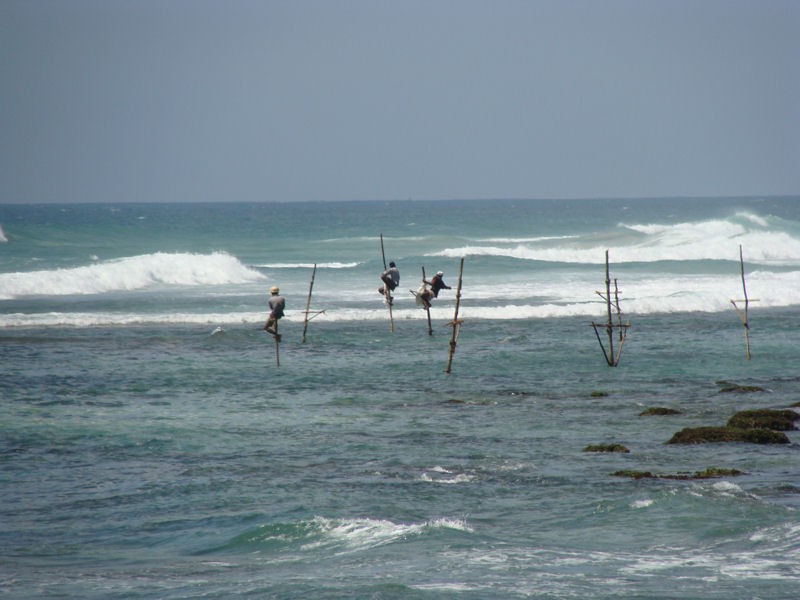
x=306 y=100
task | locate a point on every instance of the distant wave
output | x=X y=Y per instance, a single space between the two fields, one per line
x=128 y=274
x=763 y=239
x=331 y=265
x=546 y=238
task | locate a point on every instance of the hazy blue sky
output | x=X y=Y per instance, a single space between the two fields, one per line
x=161 y=100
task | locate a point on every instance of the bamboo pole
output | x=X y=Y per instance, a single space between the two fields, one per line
x=387 y=293
x=456 y=323
x=743 y=316
x=609 y=323
x=308 y=302
x=427 y=305
x=623 y=328
x=277 y=346
x=611 y=306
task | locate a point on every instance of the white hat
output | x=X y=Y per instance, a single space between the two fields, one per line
x=440 y=273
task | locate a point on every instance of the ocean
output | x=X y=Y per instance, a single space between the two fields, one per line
x=155 y=442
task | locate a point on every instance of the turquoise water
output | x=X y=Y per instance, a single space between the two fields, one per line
x=152 y=448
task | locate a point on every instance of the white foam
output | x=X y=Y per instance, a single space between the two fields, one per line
x=130 y=273
x=360 y=534
x=3 y=238
x=526 y=240
x=329 y=265
x=454 y=479
x=99 y=319
x=727 y=487
x=713 y=239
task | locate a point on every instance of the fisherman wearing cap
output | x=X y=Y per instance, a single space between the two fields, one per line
x=424 y=295
x=437 y=283
x=276 y=305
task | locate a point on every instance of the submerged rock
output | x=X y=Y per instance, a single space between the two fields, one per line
x=606 y=448
x=727 y=388
x=658 y=411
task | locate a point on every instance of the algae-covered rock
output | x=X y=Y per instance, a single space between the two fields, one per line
x=779 y=420
x=704 y=435
x=598 y=394
x=634 y=474
x=606 y=448
x=727 y=388
x=714 y=472
x=658 y=411
x=709 y=473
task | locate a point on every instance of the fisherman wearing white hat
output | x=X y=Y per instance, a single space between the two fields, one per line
x=437 y=283
x=276 y=305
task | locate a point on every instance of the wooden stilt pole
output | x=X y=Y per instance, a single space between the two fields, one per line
x=623 y=328
x=387 y=293
x=743 y=315
x=277 y=346
x=427 y=305
x=609 y=323
x=611 y=358
x=456 y=323
x=602 y=347
x=308 y=303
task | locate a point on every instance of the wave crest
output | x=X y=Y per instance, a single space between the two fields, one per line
x=766 y=240
x=130 y=273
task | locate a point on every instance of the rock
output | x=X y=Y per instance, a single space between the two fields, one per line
x=703 y=435
x=779 y=420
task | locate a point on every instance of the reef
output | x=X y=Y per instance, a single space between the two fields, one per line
x=606 y=448
x=765 y=418
x=702 y=435
x=728 y=388
x=659 y=411
x=709 y=473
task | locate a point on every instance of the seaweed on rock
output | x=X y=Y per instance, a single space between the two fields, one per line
x=703 y=435
x=659 y=411
x=709 y=473
x=606 y=448
x=726 y=388
x=765 y=418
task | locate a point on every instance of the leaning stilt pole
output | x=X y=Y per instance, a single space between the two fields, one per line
x=456 y=322
x=743 y=316
x=308 y=303
x=427 y=306
x=387 y=293
x=622 y=327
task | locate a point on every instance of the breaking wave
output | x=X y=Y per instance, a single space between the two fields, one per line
x=337 y=536
x=330 y=265
x=765 y=240
x=128 y=274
